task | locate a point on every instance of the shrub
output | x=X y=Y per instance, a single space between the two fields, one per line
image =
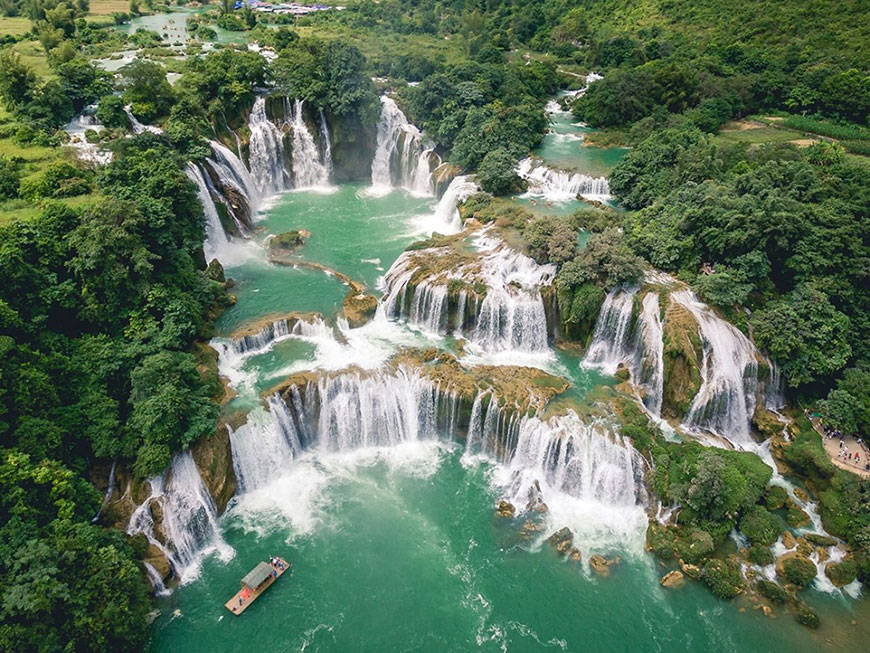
x=761 y=555
x=497 y=173
x=723 y=579
x=775 y=497
x=760 y=526
x=10 y=178
x=110 y=112
x=771 y=591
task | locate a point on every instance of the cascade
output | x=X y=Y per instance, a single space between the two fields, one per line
x=232 y=172
x=402 y=157
x=611 y=341
x=267 y=336
x=446 y=219
x=580 y=459
x=309 y=171
x=137 y=126
x=265 y=445
x=636 y=344
x=156 y=581
x=492 y=432
x=648 y=367
x=560 y=185
x=77 y=129
x=325 y=145
x=216 y=241
x=189 y=524
x=341 y=413
x=726 y=400
x=510 y=317
x=266 y=151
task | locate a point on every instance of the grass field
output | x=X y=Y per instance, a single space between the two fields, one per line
x=14 y=25
x=744 y=132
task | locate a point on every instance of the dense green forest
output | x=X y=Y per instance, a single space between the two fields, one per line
x=106 y=293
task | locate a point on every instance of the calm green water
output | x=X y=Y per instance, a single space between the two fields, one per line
x=399 y=550
x=563 y=148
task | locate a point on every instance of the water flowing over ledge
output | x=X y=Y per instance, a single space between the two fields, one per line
x=403 y=157
x=560 y=185
x=492 y=298
x=179 y=519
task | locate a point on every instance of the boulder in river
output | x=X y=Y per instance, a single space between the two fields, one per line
x=505 y=509
x=562 y=540
x=289 y=241
x=673 y=578
x=601 y=565
x=359 y=308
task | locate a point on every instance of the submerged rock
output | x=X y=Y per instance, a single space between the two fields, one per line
x=505 y=509
x=672 y=579
x=601 y=565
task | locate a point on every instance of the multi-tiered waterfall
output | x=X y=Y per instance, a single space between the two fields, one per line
x=561 y=185
x=494 y=299
x=403 y=157
x=233 y=178
x=188 y=529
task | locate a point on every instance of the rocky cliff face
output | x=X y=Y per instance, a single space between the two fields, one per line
x=214 y=459
x=682 y=361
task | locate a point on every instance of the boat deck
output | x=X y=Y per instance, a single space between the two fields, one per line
x=238 y=604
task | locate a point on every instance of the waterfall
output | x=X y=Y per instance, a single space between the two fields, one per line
x=216 y=241
x=263 y=339
x=77 y=129
x=137 y=126
x=233 y=173
x=266 y=151
x=402 y=156
x=156 y=581
x=325 y=145
x=560 y=185
x=579 y=459
x=611 y=341
x=309 y=171
x=265 y=445
x=648 y=367
x=493 y=432
x=189 y=528
x=341 y=413
x=511 y=315
x=726 y=400
x=446 y=219
x=590 y=479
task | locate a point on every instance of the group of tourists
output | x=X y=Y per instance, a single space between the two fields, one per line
x=844 y=454
x=277 y=563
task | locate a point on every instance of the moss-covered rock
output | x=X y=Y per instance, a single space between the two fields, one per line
x=723 y=578
x=771 y=591
x=288 y=241
x=766 y=423
x=760 y=555
x=806 y=617
x=775 y=497
x=820 y=540
x=682 y=353
x=796 y=569
x=796 y=517
x=842 y=573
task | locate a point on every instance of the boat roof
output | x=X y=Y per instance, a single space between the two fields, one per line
x=257 y=575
